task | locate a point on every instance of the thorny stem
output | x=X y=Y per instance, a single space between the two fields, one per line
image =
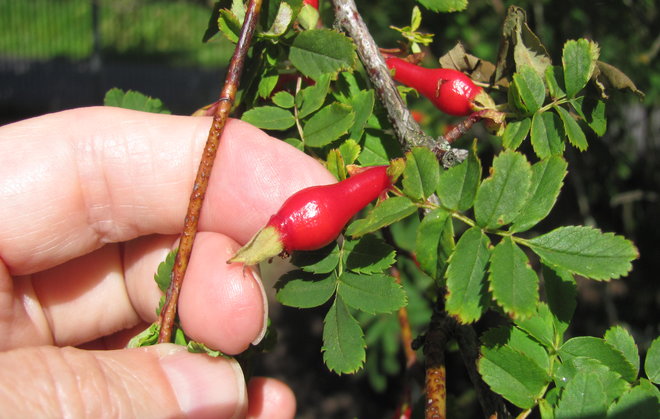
x=227 y=95
x=408 y=131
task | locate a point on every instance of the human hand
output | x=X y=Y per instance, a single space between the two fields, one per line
x=92 y=200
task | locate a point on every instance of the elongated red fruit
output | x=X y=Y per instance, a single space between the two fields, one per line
x=313 y=3
x=450 y=90
x=313 y=217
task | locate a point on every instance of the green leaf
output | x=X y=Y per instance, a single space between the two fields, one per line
x=540 y=325
x=371 y=293
x=133 y=100
x=561 y=294
x=283 y=99
x=435 y=242
x=363 y=105
x=310 y=99
x=229 y=25
x=613 y=385
x=379 y=147
x=343 y=340
x=308 y=17
x=421 y=175
x=200 y=348
x=267 y=83
x=547 y=180
x=458 y=185
x=513 y=282
x=547 y=135
x=467 y=298
x=319 y=261
x=328 y=124
x=387 y=212
x=515 y=133
x=163 y=275
x=269 y=117
x=335 y=164
x=579 y=60
x=621 y=339
x=501 y=196
x=319 y=51
x=598 y=349
x=444 y=6
x=147 y=337
x=350 y=150
x=553 y=74
x=512 y=374
x=585 y=251
x=531 y=88
x=368 y=255
x=572 y=128
x=519 y=341
x=304 y=290
x=281 y=23
x=652 y=361
x=583 y=398
x=638 y=400
x=593 y=112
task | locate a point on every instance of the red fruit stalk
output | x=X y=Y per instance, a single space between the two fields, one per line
x=313 y=217
x=450 y=90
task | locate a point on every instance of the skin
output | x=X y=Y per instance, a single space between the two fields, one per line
x=92 y=200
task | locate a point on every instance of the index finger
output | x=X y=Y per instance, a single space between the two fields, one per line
x=73 y=181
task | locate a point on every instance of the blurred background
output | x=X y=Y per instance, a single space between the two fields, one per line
x=58 y=54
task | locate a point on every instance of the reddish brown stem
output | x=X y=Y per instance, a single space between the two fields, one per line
x=440 y=331
x=227 y=95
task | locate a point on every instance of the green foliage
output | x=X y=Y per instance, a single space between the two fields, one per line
x=463 y=241
x=133 y=100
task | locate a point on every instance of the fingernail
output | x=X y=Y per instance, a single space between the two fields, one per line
x=264 y=323
x=205 y=386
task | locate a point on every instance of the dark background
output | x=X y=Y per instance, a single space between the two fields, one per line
x=59 y=54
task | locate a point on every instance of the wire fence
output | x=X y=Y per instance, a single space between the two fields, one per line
x=56 y=54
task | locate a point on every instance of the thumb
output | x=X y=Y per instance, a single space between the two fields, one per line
x=156 y=381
